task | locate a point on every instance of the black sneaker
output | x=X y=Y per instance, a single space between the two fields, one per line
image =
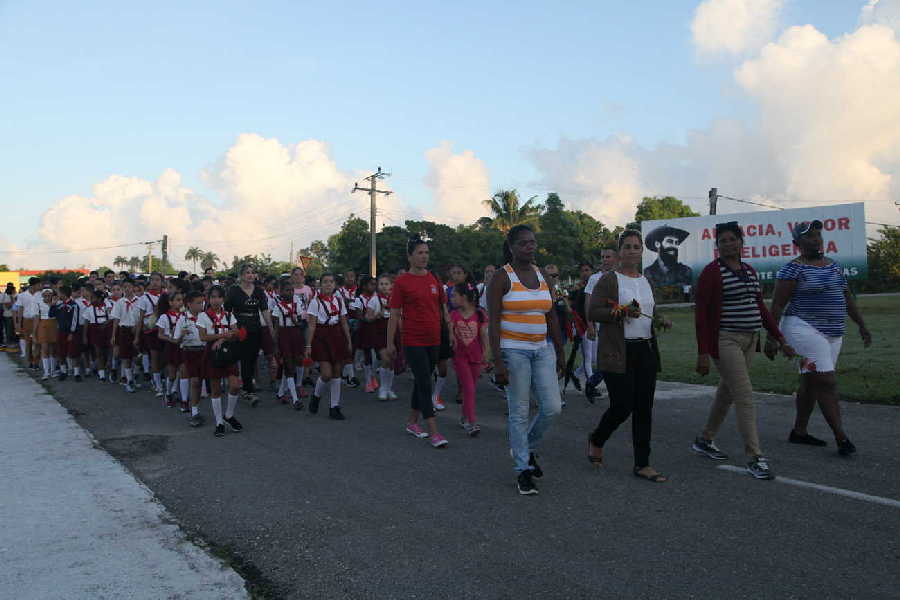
x=62 y=376
x=796 y=438
x=336 y=414
x=195 y=420
x=313 y=404
x=759 y=468
x=219 y=431
x=536 y=471
x=308 y=382
x=708 y=448
x=77 y=378
x=525 y=484
x=298 y=405
x=846 y=447
x=351 y=382
x=234 y=424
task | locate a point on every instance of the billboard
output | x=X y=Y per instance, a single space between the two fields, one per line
x=677 y=250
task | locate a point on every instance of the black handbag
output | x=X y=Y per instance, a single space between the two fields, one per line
x=225 y=355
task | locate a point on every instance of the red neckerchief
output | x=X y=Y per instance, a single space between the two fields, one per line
x=385 y=302
x=105 y=313
x=173 y=318
x=365 y=302
x=216 y=318
x=288 y=310
x=334 y=304
x=129 y=303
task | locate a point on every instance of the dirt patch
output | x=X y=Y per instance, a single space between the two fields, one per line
x=135 y=446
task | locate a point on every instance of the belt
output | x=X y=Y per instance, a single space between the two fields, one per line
x=637 y=340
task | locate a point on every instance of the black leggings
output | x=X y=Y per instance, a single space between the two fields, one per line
x=421 y=361
x=631 y=394
x=249 y=353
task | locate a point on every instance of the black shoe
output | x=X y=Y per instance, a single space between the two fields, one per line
x=796 y=438
x=708 y=448
x=536 y=471
x=336 y=414
x=298 y=405
x=219 y=431
x=525 y=484
x=313 y=404
x=195 y=421
x=308 y=382
x=234 y=424
x=351 y=382
x=846 y=447
x=147 y=377
x=62 y=376
x=77 y=378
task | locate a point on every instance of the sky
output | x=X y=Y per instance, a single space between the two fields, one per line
x=242 y=127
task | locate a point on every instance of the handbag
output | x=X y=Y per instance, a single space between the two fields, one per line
x=225 y=355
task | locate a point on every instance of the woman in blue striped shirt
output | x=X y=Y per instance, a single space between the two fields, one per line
x=814 y=299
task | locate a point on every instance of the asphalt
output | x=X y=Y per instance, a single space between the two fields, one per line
x=305 y=507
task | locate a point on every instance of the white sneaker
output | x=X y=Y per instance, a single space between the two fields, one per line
x=438 y=405
x=392 y=395
x=382 y=394
x=129 y=388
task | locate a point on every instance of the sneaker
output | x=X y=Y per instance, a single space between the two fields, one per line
x=438 y=405
x=369 y=389
x=439 y=441
x=796 y=438
x=708 y=448
x=846 y=447
x=336 y=414
x=195 y=420
x=45 y=377
x=130 y=389
x=77 y=378
x=313 y=405
x=536 y=471
x=147 y=377
x=525 y=484
x=297 y=405
x=170 y=399
x=349 y=382
x=497 y=386
x=392 y=395
x=759 y=468
x=472 y=430
x=308 y=382
x=219 y=431
x=382 y=395
x=159 y=393
x=185 y=408
x=234 y=424
x=415 y=430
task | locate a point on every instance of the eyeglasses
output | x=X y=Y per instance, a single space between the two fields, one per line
x=554 y=275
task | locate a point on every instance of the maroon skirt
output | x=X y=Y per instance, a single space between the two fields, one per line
x=150 y=341
x=329 y=344
x=291 y=341
x=172 y=353
x=193 y=361
x=66 y=348
x=100 y=336
x=266 y=342
x=372 y=335
x=125 y=343
x=211 y=372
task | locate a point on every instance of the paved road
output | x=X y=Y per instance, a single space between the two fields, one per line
x=312 y=508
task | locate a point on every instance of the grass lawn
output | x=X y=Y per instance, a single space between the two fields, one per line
x=864 y=375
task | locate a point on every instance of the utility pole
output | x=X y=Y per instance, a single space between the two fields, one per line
x=150 y=257
x=291 y=257
x=165 y=251
x=713 y=197
x=373 y=192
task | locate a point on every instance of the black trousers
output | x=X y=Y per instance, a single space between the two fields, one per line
x=249 y=355
x=631 y=394
x=421 y=361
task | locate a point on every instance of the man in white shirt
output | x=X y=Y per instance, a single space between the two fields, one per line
x=609 y=258
x=28 y=303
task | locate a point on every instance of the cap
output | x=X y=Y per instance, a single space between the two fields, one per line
x=801 y=229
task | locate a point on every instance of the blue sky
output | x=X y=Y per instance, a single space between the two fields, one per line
x=92 y=89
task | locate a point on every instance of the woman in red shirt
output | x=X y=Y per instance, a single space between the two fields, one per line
x=418 y=296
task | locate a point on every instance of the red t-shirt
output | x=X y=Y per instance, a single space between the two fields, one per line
x=421 y=298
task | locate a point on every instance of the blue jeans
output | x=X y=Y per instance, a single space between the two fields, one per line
x=531 y=372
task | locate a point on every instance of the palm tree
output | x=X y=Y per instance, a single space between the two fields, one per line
x=120 y=261
x=194 y=254
x=507 y=212
x=209 y=260
x=134 y=263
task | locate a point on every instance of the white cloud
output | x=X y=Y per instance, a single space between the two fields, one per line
x=459 y=183
x=734 y=27
x=881 y=12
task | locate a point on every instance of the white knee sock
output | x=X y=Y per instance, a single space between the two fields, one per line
x=145 y=363
x=166 y=385
x=203 y=391
x=53 y=364
x=195 y=410
x=320 y=385
x=77 y=370
x=387 y=379
x=129 y=374
x=46 y=363
x=232 y=403
x=185 y=389
x=157 y=381
x=349 y=371
x=335 y=392
x=101 y=373
x=22 y=347
x=438 y=386
x=292 y=387
x=301 y=371
x=281 y=387
x=217 y=410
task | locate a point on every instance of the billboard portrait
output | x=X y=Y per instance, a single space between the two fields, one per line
x=679 y=249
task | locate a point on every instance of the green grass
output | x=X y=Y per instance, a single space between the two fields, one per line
x=864 y=375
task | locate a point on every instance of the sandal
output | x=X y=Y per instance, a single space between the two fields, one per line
x=656 y=477
x=596 y=461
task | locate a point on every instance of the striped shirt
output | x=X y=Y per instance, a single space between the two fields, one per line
x=819 y=296
x=740 y=290
x=523 y=321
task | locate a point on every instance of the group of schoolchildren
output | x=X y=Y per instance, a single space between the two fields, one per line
x=180 y=332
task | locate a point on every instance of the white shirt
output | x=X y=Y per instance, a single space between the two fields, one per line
x=287 y=314
x=4 y=300
x=482 y=296
x=187 y=325
x=205 y=322
x=167 y=324
x=29 y=302
x=636 y=288
x=303 y=295
x=362 y=304
x=592 y=282
x=328 y=313
x=126 y=311
x=95 y=314
x=43 y=311
x=147 y=303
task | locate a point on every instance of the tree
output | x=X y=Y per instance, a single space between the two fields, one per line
x=655 y=208
x=120 y=261
x=884 y=261
x=349 y=247
x=508 y=212
x=209 y=260
x=315 y=257
x=134 y=263
x=193 y=254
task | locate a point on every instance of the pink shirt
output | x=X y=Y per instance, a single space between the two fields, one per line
x=467 y=342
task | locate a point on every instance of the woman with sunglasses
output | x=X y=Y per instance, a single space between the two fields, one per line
x=813 y=296
x=729 y=313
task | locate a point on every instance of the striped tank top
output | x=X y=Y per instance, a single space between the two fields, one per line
x=523 y=322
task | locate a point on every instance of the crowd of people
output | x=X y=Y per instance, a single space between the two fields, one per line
x=190 y=337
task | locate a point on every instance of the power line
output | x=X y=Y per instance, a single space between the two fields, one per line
x=32 y=251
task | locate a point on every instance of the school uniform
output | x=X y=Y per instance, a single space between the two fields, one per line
x=171 y=350
x=47 y=328
x=192 y=346
x=266 y=341
x=291 y=327
x=125 y=310
x=371 y=335
x=68 y=323
x=214 y=323
x=329 y=344
x=149 y=338
x=99 y=325
x=29 y=306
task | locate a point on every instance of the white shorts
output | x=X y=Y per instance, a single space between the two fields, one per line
x=812 y=343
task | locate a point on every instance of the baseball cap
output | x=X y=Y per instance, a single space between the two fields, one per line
x=801 y=229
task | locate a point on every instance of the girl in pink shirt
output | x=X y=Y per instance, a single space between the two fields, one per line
x=470 y=338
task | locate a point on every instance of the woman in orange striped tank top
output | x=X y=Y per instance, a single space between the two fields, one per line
x=521 y=320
